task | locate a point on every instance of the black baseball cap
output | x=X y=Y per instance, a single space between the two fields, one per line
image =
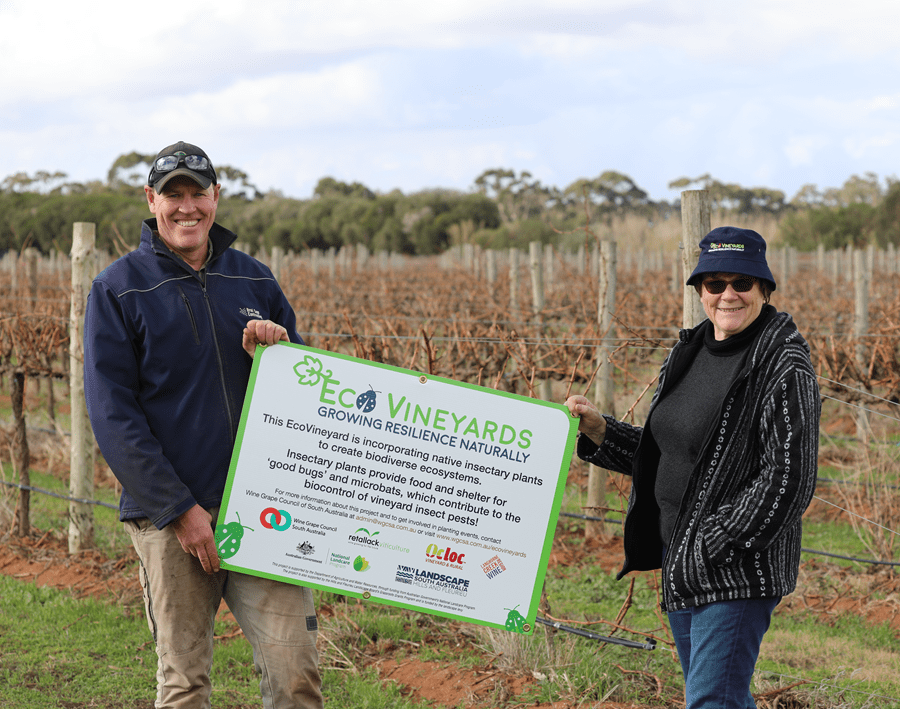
x=181 y=159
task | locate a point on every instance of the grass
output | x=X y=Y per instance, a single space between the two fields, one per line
x=62 y=652
x=58 y=651
x=856 y=661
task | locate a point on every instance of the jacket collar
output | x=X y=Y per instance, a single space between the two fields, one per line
x=220 y=238
x=777 y=329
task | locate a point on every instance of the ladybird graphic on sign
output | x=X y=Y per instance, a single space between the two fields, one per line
x=365 y=402
x=439 y=480
x=228 y=538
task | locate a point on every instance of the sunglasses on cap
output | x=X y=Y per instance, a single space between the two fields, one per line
x=740 y=285
x=167 y=163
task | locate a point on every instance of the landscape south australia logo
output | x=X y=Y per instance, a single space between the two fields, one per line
x=270 y=518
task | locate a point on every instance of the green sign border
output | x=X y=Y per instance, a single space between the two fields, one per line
x=364 y=595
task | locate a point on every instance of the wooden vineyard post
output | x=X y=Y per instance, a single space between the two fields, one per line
x=362 y=258
x=549 y=270
x=277 y=262
x=605 y=396
x=81 y=471
x=695 y=220
x=536 y=264
x=676 y=277
x=513 y=282
x=606 y=306
x=860 y=330
x=537 y=277
x=31 y=271
x=21 y=455
x=331 y=260
x=491 y=267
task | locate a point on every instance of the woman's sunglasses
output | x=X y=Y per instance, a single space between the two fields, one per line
x=740 y=285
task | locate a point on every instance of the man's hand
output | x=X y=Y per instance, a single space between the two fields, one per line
x=194 y=531
x=590 y=423
x=262 y=332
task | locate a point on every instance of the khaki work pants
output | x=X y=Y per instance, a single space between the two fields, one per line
x=181 y=601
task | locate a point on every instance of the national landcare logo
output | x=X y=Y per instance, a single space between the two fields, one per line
x=339 y=561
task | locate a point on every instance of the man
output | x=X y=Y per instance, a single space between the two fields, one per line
x=170 y=332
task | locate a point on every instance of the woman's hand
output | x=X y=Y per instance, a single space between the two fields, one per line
x=590 y=423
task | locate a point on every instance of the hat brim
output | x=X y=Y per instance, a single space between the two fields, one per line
x=721 y=264
x=201 y=180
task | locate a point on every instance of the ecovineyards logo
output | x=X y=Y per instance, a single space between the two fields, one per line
x=725 y=246
x=311 y=372
x=408 y=418
x=270 y=518
x=444 y=557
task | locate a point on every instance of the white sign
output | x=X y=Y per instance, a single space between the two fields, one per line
x=386 y=484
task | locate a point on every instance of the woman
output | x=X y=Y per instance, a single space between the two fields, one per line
x=722 y=470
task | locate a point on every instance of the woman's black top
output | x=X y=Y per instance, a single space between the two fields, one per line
x=685 y=414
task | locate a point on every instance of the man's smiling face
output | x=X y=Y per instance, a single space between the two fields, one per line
x=185 y=213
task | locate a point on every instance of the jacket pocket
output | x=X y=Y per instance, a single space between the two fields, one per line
x=191 y=317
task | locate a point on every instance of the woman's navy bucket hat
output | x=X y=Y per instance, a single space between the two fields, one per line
x=730 y=249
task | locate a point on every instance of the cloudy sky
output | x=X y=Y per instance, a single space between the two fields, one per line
x=405 y=94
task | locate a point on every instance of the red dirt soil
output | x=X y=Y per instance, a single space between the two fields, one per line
x=44 y=560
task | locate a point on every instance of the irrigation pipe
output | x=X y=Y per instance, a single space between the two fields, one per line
x=850 y=558
x=807 y=551
x=649 y=645
x=61 y=497
x=562 y=514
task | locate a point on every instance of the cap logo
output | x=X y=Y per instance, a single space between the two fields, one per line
x=723 y=246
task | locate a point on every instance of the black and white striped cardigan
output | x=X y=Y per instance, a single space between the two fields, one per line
x=739 y=527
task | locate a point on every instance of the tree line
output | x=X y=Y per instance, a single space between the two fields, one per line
x=502 y=208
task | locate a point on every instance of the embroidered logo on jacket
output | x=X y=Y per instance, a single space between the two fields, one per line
x=250 y=313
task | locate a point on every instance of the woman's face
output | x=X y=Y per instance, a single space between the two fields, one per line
x=733 y=309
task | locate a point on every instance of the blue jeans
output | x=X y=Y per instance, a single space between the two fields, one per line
x=718 y=645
